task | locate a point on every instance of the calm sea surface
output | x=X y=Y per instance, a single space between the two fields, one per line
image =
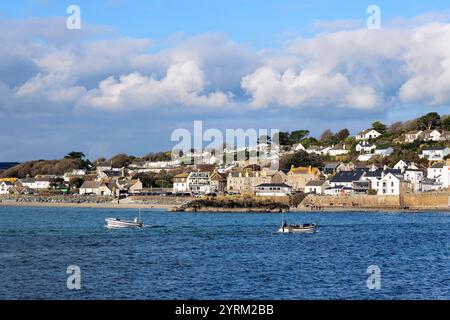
x=222 y=256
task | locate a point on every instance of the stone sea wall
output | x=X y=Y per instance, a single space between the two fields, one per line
x=414 y=201
x=55 y=198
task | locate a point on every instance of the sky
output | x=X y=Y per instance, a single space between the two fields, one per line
x=137 y=70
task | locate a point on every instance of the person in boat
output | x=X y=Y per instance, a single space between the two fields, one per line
x=285 y=225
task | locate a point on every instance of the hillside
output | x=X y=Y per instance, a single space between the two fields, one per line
x=40 y=167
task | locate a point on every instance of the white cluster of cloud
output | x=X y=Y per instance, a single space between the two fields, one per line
x=182 y=85
x=358 y=69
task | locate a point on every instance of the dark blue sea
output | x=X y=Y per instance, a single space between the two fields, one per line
x=222 y=256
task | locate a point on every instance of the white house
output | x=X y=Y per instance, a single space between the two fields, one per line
x=298 y=147
x=431 y=135
x=367 y=134
x=199 y=182
x=338 y=150
x=74 y=173
x=387 y=185
x=364 y=147
x=43 y=182
x=446 y=176
x=412 y=136
x=384 y=152
x=180 y=182
x=273 y=189
x=435 y=153
x=337 y=191
x=402 y=165
x=415 y=177
x=5 y=186
x=435 y=171
x=95 y=188
x=316 y=186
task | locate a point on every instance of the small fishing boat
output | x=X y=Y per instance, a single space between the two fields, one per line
x=119 y=223
x=298 y=228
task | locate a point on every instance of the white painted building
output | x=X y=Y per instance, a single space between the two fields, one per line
x=316 y=186
x=403 y=165
x=435 y=153
x=412 y=136
x=338 y=150
x=5 y=186
x=364 y=147
x=387 y=185
x=446 y=176
x=384 y=152
x=415 y=177
x=273 y=190
x=435 y=172
x=199 y=182
x=367 y=134
x=180 y=183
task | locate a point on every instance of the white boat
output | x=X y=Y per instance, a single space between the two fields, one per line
x=298 y=228
x=118 y=223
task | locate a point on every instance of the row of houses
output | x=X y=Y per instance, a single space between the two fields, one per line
x=335 y=179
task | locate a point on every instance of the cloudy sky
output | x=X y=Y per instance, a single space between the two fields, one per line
x=137 y=70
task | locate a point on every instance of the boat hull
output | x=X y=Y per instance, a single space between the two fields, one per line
x=116 y=223
x=298 y=229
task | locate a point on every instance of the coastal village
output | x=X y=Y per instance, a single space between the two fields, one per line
x=378 y=161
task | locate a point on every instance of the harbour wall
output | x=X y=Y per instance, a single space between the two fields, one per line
x=413 y=201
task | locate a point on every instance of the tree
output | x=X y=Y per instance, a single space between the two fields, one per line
x=146 y=179
x=75 y=155
x=303 y=159
x=342 y=134
x=380 y=127
x=429 y=121
x=283 y=138
x=445 y=123
x=121 y=160
x=327 y=135
x=396 y=126
x=56 y=182
x=76 y=182
x=297 y=136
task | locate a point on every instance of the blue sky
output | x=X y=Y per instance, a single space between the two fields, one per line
x=139 y=69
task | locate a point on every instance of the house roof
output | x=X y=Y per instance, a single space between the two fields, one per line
x=374 y=174
x=315 y=183
x=27 y=180
x=437 y=165
x=332 y=165
x=434 y=148
x=366 y=131
x=91 y=185
x=347 y=176
x=414 y=132
x=304 y=170
x=182 y=175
